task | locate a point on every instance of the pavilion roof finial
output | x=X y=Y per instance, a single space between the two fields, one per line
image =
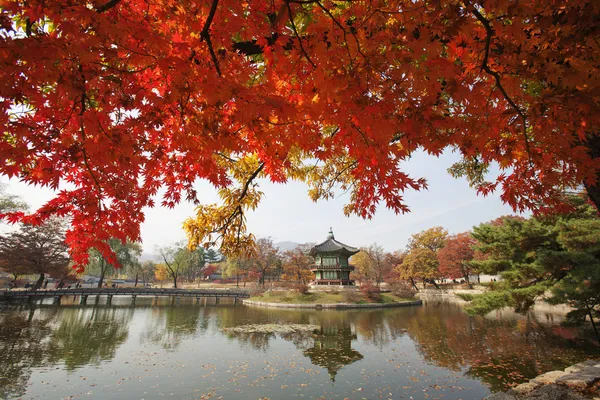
x=330 y=236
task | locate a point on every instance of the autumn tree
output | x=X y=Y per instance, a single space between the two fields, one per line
x=160 y=273
x=121 y=98
x=297 y=263
x=456 y=255
x=175 y=259
x=421 y=258
x=393 y=259
x=372 y=263
x=36 y=249
x=265 y=258
x=362 y=265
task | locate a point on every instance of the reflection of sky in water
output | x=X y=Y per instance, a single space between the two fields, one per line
x=181 y=351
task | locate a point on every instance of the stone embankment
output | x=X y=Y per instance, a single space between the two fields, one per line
x=578 y=382
x=333 y=305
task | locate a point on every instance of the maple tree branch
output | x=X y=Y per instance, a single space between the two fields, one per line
x=341 y=27
x=238 y=210
x=298 y=35
x=496 y=75
x=107 y=6
x=205 y=35
x=83 y=136
x=249 y=181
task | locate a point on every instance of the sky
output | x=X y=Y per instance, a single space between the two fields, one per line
x=286 y=213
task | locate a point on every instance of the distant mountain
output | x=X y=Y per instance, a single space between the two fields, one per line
x=287 y=245
x=149 y=257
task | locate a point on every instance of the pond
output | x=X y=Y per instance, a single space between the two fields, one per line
x=157 y=349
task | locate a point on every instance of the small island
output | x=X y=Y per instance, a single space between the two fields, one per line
x=357 y=299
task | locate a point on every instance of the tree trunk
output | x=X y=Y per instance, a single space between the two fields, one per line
x=412 y=282
x=237 y=280
x=174 y=281
x=593 y=190
x=423 y=283
x=102 y=271
x=435 y=284
x=468 y=282
x=136 y=280
x=589 y=311
x=479 y=278
x=39 y=282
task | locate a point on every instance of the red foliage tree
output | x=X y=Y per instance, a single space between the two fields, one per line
x=455 y=256
x=122 y=97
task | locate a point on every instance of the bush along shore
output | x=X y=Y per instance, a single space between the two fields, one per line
x=578 y=382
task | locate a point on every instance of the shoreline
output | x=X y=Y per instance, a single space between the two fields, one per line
x=338 y=306
x=577 y=382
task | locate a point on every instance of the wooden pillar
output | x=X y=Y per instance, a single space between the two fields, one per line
x=83 y=299
x=57 y=299
x=97 y=300
x=109 y=299
x=133 y=299
x=217 y=299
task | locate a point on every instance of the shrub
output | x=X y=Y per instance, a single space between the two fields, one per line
x=465 y=296
x=402 y=289
x=351 y=296
x=257 y=291
x=301 y=288
x=370 y=291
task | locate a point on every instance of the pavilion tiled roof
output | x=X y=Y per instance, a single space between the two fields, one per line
x=333 y=246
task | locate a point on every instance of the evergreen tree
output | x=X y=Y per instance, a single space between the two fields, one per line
x=557 y=254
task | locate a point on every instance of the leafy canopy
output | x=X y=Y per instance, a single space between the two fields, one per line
x=118 y=98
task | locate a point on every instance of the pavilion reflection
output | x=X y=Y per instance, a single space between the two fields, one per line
x=332 y=348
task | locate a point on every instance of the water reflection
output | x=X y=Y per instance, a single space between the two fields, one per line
x=499 y=350
x=88 y=335
x=168 y=326
x=332 y=349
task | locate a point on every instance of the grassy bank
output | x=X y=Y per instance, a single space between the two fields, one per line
x=293 y=297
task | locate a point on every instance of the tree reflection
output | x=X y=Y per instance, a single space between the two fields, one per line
x=88 y=335
x=499 y=351
x=22 y=347
x=169 y=326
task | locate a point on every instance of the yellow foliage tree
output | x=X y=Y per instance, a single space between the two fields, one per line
x=160 y=273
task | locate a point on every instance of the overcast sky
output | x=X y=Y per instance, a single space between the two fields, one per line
x=287 y=213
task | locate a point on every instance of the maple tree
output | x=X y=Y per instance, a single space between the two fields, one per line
x=454 y=258
x=297 y=263
x=107 y=101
